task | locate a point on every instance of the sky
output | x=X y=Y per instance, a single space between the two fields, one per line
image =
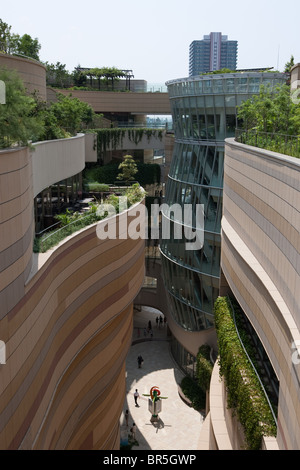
x=152 y=38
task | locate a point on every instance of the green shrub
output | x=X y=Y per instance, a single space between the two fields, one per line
x=148 y=173
x=244 y=393
x=193 y=392
x=72 y=222
x=134 y=194
x=204 y=367
x=97 y=187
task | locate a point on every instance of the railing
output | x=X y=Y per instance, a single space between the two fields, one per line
x=43 y=243
x=281 y=143
x=254 y=369
x=138 y=125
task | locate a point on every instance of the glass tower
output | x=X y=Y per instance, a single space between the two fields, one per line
x=204 y=114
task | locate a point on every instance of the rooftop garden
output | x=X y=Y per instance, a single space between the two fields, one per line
x=271 y=120
x=26 y=118
x=70 y=222
x=88 y=79
x=96 y=78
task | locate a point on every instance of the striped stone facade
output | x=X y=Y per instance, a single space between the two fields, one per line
x=261 y=264
x=66 y=321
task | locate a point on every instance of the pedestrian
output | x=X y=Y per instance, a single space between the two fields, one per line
x=156 y=321
x=136 y=396
x=126 y=417
x=149 y=325
x=133 y=430
x=140 y=361
x=160 y=320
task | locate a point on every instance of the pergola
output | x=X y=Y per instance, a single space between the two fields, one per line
x=108 y=73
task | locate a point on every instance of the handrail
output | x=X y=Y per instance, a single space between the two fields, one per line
x=263 y=388
x=64 y=227
x=280 y=143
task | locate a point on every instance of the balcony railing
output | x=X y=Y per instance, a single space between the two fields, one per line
x=280 y=143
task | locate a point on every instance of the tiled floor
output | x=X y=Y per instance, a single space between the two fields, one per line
x=179 y=425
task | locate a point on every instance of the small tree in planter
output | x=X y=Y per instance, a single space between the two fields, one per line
x=128 y=169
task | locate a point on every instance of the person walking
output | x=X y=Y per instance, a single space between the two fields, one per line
x=133 y=430
x=126 y=417
x=140 y=361
x=136 y=396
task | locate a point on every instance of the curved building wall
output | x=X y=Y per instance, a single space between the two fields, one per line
x=261 y=263
x=55 y=160
x=31 y=72
x=66 y=322
x=16 y=225
x=204 y=114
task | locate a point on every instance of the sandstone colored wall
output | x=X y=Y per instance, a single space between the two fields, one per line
x=260 y=261
x=31 y=72
x=66 y=320
x=16 y=227
x=110 y=102
x=55 y=160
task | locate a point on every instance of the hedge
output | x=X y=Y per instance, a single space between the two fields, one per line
x=148 y=173
x=245 y=395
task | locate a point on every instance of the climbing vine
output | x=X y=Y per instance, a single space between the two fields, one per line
x=113 y=137
x=244 y=393
x=203 y=367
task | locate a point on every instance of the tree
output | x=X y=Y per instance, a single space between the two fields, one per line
x=16 y=44
x=19 y=122
x=288 y=66
x=28 y=46
x=57 y=75
x=272 y=110
x=70 y=113
x=79 y=77
x=4 y=36
x=128 y=169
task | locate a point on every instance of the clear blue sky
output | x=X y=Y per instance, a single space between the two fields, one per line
x=152 y=38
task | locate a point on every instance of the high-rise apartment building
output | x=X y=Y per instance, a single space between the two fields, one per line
x=213 y=52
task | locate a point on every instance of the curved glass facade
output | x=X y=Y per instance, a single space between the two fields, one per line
x=204 y=114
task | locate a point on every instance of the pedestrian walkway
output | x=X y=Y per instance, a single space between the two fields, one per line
x=179 y=425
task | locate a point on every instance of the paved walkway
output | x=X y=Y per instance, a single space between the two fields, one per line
x=179 y=425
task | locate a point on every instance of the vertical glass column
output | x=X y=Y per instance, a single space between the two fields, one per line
x=204 y=111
